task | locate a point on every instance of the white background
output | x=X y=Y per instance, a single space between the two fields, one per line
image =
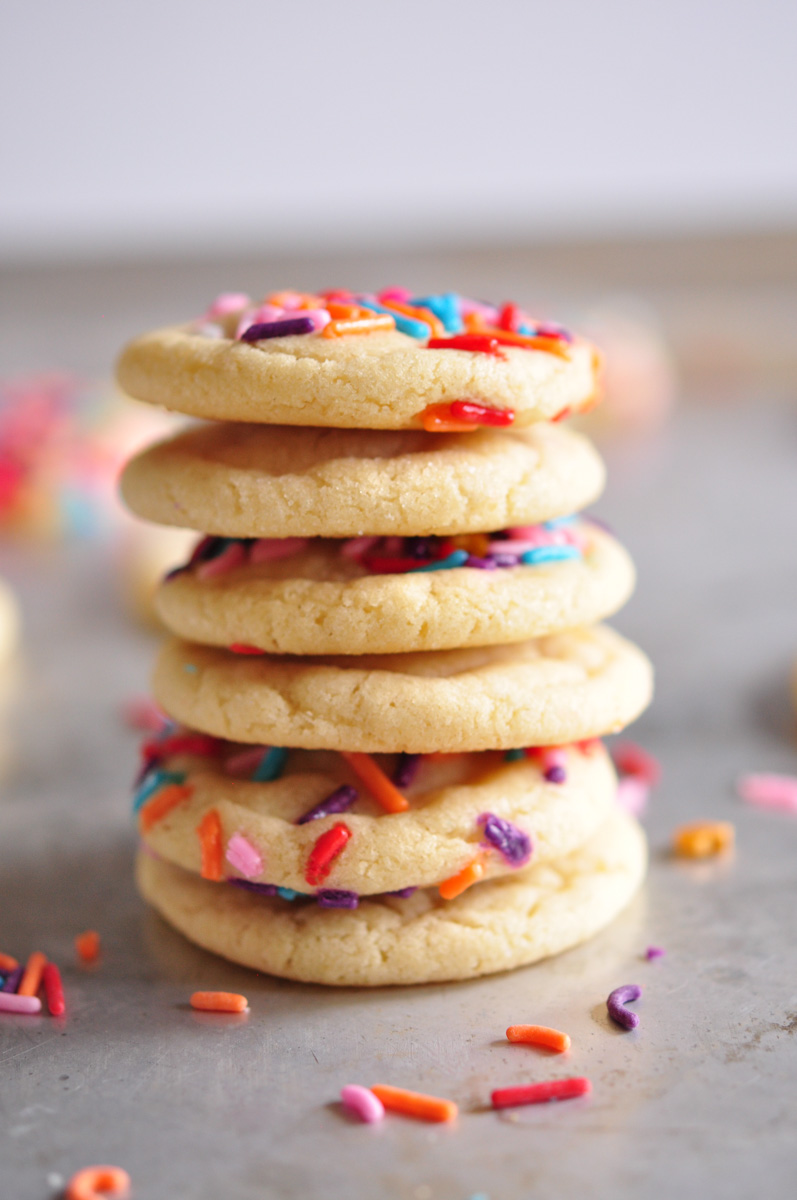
x=137 y=125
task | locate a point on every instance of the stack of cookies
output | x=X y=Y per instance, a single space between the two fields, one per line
x=385 y=684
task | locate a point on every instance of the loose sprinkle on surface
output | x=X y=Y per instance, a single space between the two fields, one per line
x=539 y=1035
x=769 y=791
x=32 y=975
x=12 y=981
x=415 y=1104
x=363 y=1102
x=8 y=962
x=616 y=1004
x=541 y=1093
x=53 y=990
x=92 y=1183
x=654 y=952
x=9 y=1002
x=225 y=1002
x=87 y=946
x=703 y=839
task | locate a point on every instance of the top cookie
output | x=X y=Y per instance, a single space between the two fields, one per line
x=392 y=361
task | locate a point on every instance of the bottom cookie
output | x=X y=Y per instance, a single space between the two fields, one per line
x=508 y=922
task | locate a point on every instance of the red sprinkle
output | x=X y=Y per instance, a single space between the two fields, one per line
x=324 y=852
x=562 y=416
x=182 y=743
x=477 y=343
x=631 y=759
x=243 y=648
x=480 y=414
x=511 y=318
x=53 y=990
x=541 y=1093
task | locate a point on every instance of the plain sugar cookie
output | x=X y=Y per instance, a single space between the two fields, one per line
x=390 y=370
x=261 y=481
x=508 y=922
x=549 y=691
x=323 y=600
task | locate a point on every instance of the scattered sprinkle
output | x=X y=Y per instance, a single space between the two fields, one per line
x=633 y=795
x=769 y=791
x=17 y=1003
x=87 y=946
x=631 y=759
x=616 y=1005
x=243 y=856
x=225 y=1002
x=32 y=975
x=363 y=1102
x=512 y=843
x=8 y=962
x=703 y=839
x=450 y=888
x=654 y=952
x=539 y=1035
x=53 y=990
x=93 y=1182
x=541 y=1093
x=12 y=981
x=190 y=668
x=143 y=714
x=415 y=1104
x=324 y=852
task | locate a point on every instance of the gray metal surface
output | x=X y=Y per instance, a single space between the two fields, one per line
x=699 y=1102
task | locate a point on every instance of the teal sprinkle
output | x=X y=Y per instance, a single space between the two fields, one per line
x=445 y=307
x=271 y=765
x=149 y=787
x=190 y=668
x=514 y=755
x=457 y=559
x=409 y=325
x=288 y=893
x=546 y=554
x=558 y=522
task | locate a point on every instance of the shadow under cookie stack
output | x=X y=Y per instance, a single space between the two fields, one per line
x=386 y=685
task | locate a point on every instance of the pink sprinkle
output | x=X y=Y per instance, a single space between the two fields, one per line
x=355 y=547
x=633 y=795
x=269 y=549
x=11 y=1002
x=402 y=295
x=233 y=556
x=319 y=316
x=244 y=857
x=631 y=759
x=654 y=952
x=143 y=715
x=243 y=764
x=226 y=303
x=770 y=791
x=368 y=1107
x=487 y=311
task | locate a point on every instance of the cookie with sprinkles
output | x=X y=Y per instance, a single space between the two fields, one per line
x=373 y=595
x=238 y=480
x=535 y=912
x=386 y=360
x=546 y=691
x=535 y=804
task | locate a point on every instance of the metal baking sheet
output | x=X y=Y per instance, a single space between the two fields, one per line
x=699 y=1102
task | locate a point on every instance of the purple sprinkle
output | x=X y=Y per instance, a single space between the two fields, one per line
x=481 y=564
x=406 y=769
x=337 y=898
x=336 y=802
x=260 y=889
x=275 y=329
x=556 y=774
x=617 y=1002
x=511 y=842
x=12 y=980
x=402 y=893
x=654 y=952
x=505 y=560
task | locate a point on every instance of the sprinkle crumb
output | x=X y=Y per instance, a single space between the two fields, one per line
x=654 y=952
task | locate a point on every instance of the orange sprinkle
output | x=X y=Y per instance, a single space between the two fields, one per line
x=32 y=975
x=162 y=803
x=557 y=346
x=372 y=324
x=92 y=1183
x=341 y=310
x=703 y=839
x=209 y=833
x=383 y=790
x=475 y=543
x=459 y=883
x=230 y=1002
x=436 y=418
x=8 y=962
x=436 y=326
x=415 y=1104
x=87 y=946
x=539 y=1035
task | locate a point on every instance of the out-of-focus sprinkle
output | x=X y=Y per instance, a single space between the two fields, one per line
x=631 y=759
x=92 y=1183
x=703 y=839
x=633 y=795
x=769 y=791
x=654 y=952
x=87 y=946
